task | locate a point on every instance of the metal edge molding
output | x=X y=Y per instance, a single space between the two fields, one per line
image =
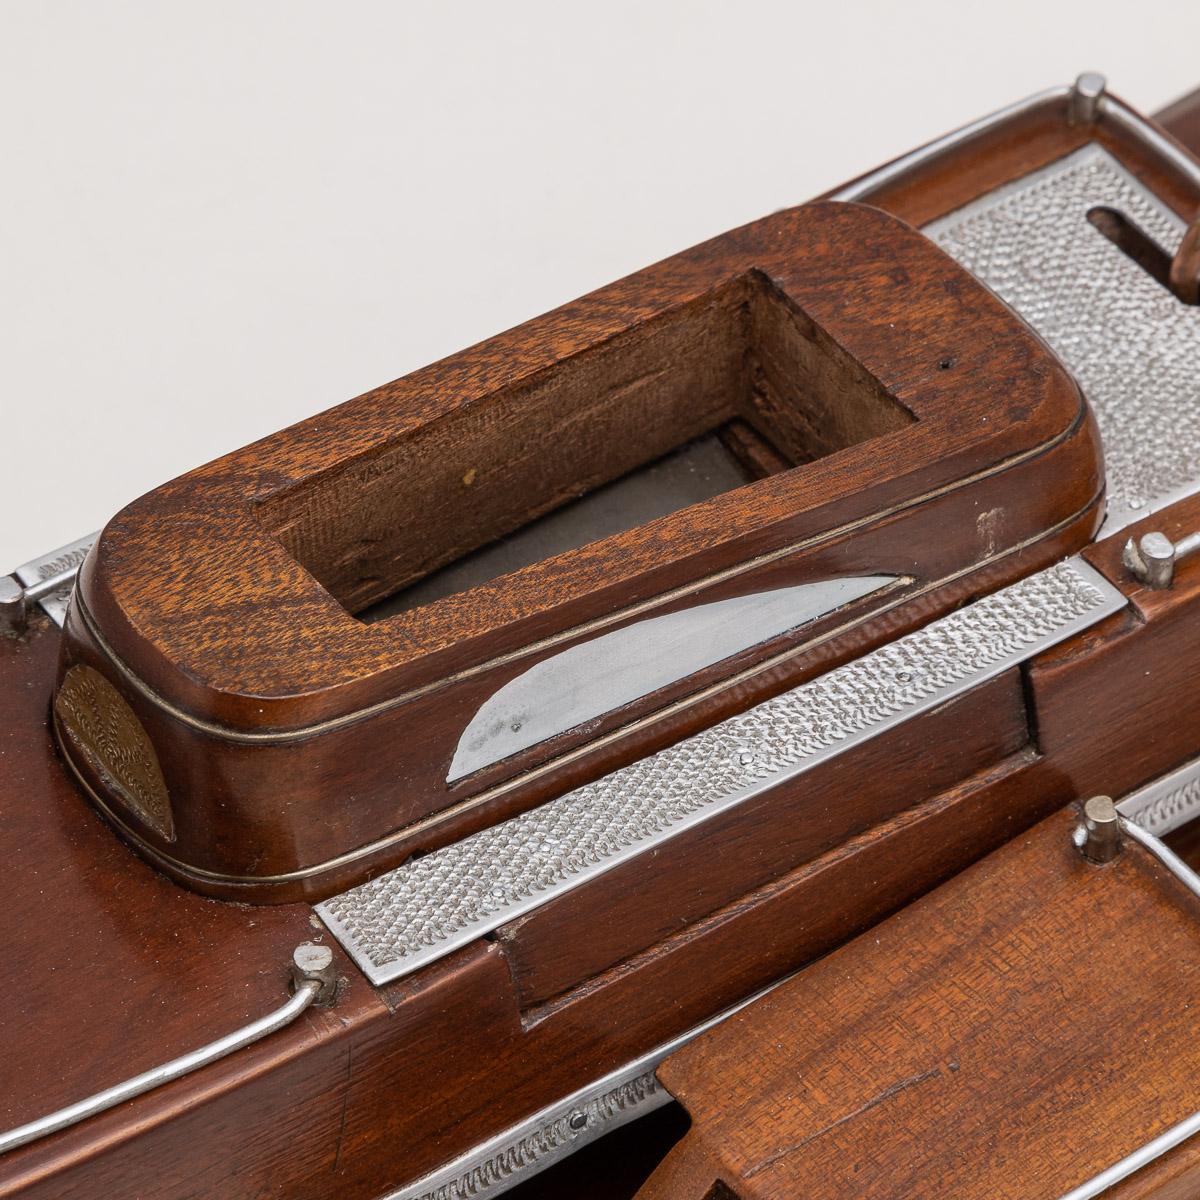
x=420 y=912
x=1166 y=803
x=562 y=1128
x=47 y=581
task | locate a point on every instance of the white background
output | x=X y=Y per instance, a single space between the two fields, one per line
x=219 y=217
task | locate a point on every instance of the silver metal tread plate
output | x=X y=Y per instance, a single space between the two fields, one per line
x=49 y=565
x=1166 y=803
x=421 y=911
x=1130 y=343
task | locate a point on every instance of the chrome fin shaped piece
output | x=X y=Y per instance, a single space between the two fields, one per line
x=606 y=672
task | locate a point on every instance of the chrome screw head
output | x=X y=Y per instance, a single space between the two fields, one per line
x=313 y=963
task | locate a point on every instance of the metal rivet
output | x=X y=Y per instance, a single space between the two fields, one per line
x=313 y=963
x=12 y=604
x=1098 y=835
x=578 y=1121
x=1085 y=98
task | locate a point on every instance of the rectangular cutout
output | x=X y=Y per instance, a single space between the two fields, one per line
x=692 y=403
x=697 y=471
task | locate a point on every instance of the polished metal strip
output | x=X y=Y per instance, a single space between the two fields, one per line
x=48 y=580
x=1189 y=1126
x=598 y=676
x=559 y=1130
x=423 y=910
x=1165 y=804
x=861 y=189
x=315 y=981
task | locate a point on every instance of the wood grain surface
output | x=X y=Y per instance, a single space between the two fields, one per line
x=388 y=1085
x=1011 y=1034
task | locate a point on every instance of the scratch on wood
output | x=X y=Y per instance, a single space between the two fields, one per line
x=988 y=525
x=638 y=381
x=341 y=1134
x=888 y=1092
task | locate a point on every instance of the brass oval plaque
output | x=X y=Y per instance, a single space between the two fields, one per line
x=103 y=730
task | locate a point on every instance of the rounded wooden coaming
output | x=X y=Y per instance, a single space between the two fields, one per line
x=304 y=748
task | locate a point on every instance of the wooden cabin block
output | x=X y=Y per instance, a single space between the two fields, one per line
x=286 y=746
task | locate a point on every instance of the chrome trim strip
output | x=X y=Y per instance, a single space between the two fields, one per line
x=309 y=990
x=420 y=912
x=1166 y=803
x=860 y=188
x=593 y=678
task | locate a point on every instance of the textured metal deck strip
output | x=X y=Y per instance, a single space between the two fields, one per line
x=1131 y=345
x=423 y=910
x=71 y=555
x=1167 y=803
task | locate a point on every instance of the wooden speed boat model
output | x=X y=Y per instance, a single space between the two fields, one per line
x=733 y=736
